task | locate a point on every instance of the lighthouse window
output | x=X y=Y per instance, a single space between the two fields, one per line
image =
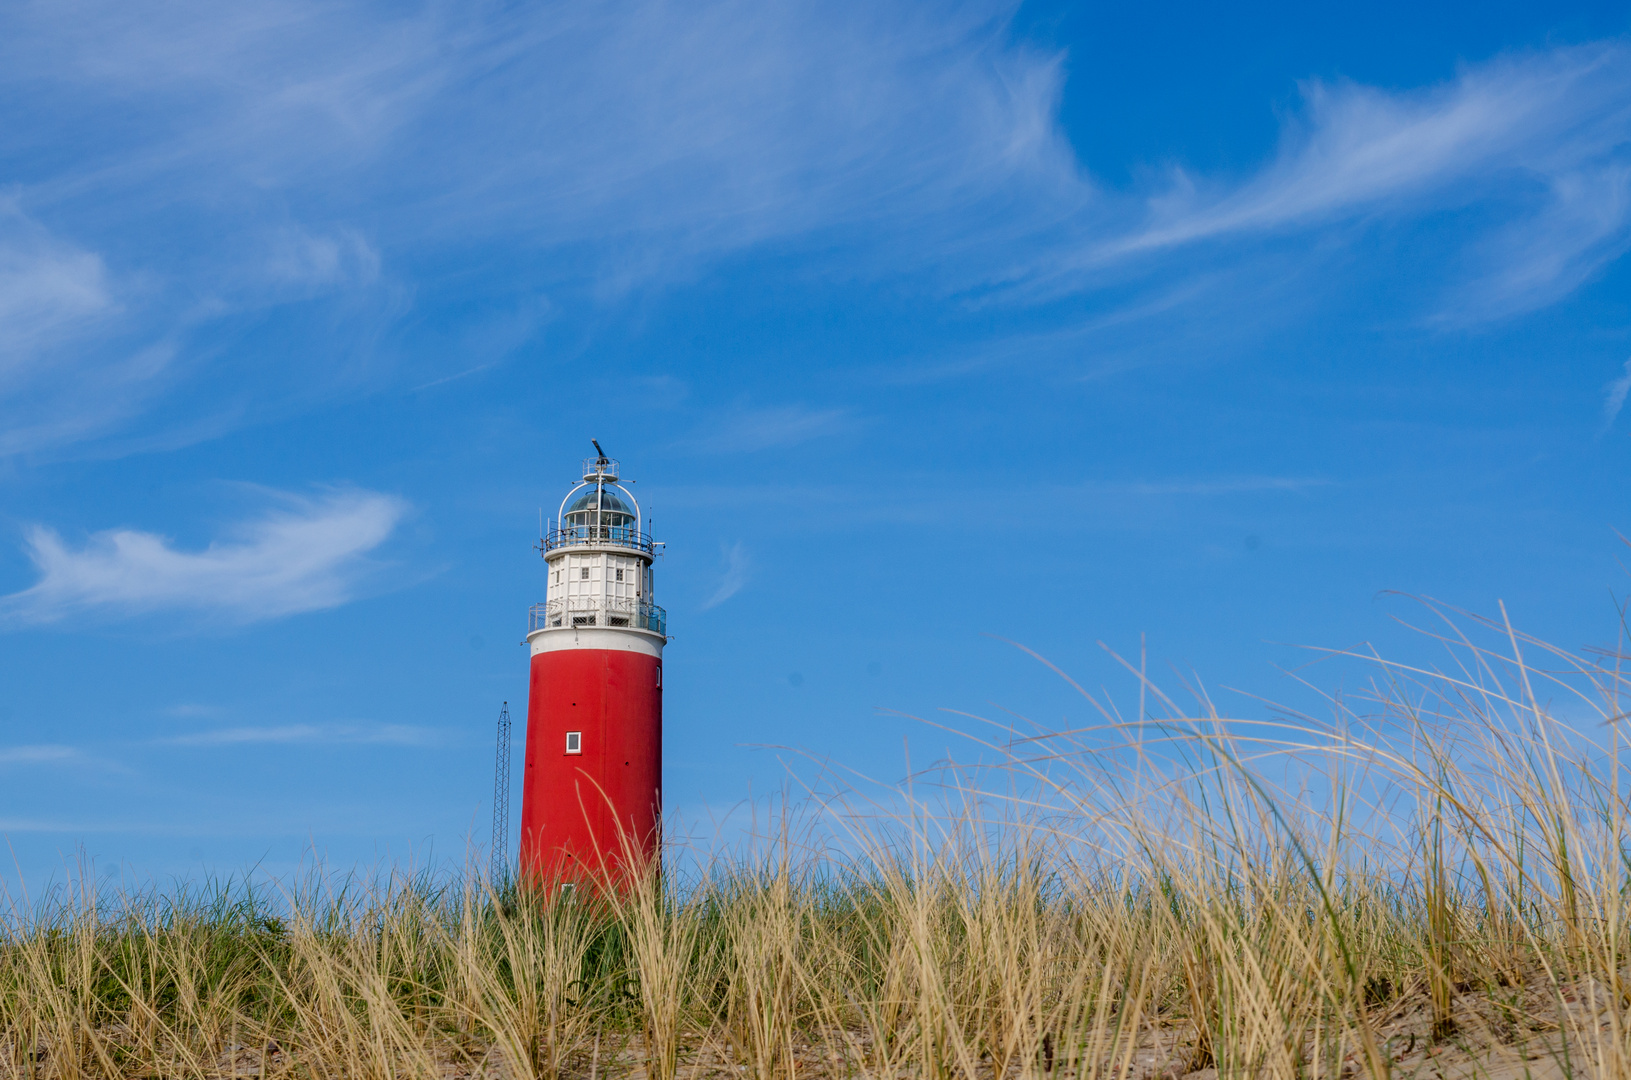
x=574 y=742
x=620 y=574
x=586 y=573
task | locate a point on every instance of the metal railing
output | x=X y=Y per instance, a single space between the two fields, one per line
x=600 y=535
x=601 y=467
x=584 y=611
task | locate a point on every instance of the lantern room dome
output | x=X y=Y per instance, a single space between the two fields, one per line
x=612 y=509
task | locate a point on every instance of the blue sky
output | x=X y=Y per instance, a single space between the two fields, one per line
x=921 y=326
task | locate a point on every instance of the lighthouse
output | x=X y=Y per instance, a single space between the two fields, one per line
x=592 y=790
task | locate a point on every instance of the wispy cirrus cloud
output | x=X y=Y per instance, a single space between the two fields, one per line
x=305 y=259
x=301 y=156
x=307 y=555
x=1231 y=485
x=290 y=734
x=738 y=570
x=745 y=430
x=49 y=290
x=191 y=709
x=735 y=122
x=315 y=160
x=1540 y=138
x=44 y=754
x=1581 y=224
x=1093 y=505
x=1614 y=395
x=45 y=825
x=58 y=302
x=57 y=756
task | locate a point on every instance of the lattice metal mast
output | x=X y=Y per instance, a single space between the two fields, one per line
x=501 y=800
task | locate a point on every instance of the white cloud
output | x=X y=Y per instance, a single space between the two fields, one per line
x=302 y=258
x=121 y=825
x=38 y=755
x=306 y=556
x=738 y=123
x=699 y=128
x=602 y=146
x=1236 y=485
x=738 y=568
x=39 y=825
x=1581 y=226
x=59 y=307
x=285 y=151
x=49 y=290
x=1553 y=123
x=192 y=709
x=1357 y=146
x=378 y=734
x=747 y=430
x=1614 y=397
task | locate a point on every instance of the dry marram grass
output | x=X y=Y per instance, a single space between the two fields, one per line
x=1434 y=883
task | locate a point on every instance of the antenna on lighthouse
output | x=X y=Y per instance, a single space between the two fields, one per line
x=604 y=460
x=500 y=872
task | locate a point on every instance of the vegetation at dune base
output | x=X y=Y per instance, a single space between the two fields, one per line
x=1431 y=880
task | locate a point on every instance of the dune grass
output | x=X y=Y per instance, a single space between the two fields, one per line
x=1431 y=881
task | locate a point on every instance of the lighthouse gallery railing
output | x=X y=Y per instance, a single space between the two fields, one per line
x=599 y=535
x=581 y=611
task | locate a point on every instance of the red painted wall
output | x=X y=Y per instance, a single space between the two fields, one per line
x=582 y=813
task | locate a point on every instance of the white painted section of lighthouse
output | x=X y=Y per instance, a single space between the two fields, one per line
x=599 y=575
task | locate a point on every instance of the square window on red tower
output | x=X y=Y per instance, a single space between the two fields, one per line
x=574 y=742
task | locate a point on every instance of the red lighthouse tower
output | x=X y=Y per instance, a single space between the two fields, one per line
x=592 y=791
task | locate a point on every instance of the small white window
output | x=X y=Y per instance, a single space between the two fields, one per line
x=574 y=742
x=557 y=577
x=586 y=573
x=659 y=676
x=620 y=574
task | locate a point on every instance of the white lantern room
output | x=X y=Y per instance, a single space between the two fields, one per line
x=599 y=557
